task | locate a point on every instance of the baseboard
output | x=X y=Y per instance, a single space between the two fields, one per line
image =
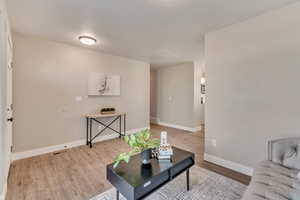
x=154 y=120
x=198 y=128
x=4 y=190
x=229 y=164
x=44 y=150
x=185 y=128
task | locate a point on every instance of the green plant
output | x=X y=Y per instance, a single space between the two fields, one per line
x=138 y=142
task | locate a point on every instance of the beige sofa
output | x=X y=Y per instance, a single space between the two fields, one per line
x=277 y=177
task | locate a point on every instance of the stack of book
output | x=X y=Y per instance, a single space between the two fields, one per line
x=165 y=152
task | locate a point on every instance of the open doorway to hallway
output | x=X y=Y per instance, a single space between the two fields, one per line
x=177 y=95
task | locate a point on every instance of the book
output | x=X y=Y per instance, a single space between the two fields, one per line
x=160 y=157
x=166 y=153
x=165 y=150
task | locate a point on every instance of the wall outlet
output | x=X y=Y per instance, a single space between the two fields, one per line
x=214 y=142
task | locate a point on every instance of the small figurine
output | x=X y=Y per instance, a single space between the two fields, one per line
x=163 y=138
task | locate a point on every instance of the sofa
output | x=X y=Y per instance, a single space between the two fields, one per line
x=277 y=178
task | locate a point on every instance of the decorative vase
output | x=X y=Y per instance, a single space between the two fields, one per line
x=146 y=156
x=146 y=171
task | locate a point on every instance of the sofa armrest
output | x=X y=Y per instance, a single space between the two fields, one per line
x=277 y=148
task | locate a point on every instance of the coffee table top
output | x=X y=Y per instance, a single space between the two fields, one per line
x=136 y=174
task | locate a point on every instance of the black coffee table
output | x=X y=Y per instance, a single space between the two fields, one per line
x=136 y=181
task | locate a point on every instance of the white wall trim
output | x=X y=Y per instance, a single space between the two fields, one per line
x=229 y=164
x=185 y=128
x=154 y=120
x=198 y=128
x=4 y=190
x=44 y=150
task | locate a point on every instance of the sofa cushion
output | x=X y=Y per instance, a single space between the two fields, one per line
x=291 y=158
x=274 y=182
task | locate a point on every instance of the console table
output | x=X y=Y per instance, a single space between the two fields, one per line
x=135 y=181
x=96 y=118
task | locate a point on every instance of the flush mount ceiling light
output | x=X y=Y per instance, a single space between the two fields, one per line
x=87 y=40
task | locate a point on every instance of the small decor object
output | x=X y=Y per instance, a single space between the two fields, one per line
x=104 y=85
x=203 y=83
x=203 y=88
x=140 y=142
x=163 y=138
x=165 y=150
x=108 y=111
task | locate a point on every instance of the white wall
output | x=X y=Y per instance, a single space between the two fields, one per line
x=175 y=95
x=253 y=85
x=4 y=142
x=199 y=70
x=153 y=95
x=47 y=78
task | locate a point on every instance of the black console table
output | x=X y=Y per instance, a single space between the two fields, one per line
x=117 y=117
x=135 y=181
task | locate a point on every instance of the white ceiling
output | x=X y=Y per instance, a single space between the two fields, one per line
x=156 y=31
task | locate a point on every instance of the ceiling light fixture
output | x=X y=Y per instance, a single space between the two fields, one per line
x=203 y=80
x=87 y=40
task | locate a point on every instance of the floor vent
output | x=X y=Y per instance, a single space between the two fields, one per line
x=59 y=152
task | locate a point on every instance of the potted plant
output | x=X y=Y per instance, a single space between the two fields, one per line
x=140 y=142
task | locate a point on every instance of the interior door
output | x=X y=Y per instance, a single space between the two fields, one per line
x=6 y=58
x=2 y=102
x=9 y=93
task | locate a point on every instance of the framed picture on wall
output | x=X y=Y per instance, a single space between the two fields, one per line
x=100 y=84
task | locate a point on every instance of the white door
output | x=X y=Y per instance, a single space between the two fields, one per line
x=9 y=97
x=2 y=103
x=6 y=62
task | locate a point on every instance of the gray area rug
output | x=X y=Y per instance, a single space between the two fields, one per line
x=204 y=185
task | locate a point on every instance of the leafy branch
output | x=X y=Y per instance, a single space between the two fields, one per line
x=138 y=142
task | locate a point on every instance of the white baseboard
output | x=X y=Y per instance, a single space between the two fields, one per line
x=4 y=190
x=229 y=164
x=44 y=150
x=154 y=120
x=185 y=128
x=198 y=128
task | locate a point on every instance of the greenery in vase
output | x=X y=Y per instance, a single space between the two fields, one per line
x=138 y=143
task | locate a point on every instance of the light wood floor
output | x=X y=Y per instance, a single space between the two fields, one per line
x=79 y=173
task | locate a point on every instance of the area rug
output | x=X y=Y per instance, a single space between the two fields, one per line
x=204 y=185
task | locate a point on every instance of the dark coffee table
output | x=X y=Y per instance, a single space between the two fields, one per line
x=136 y=181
